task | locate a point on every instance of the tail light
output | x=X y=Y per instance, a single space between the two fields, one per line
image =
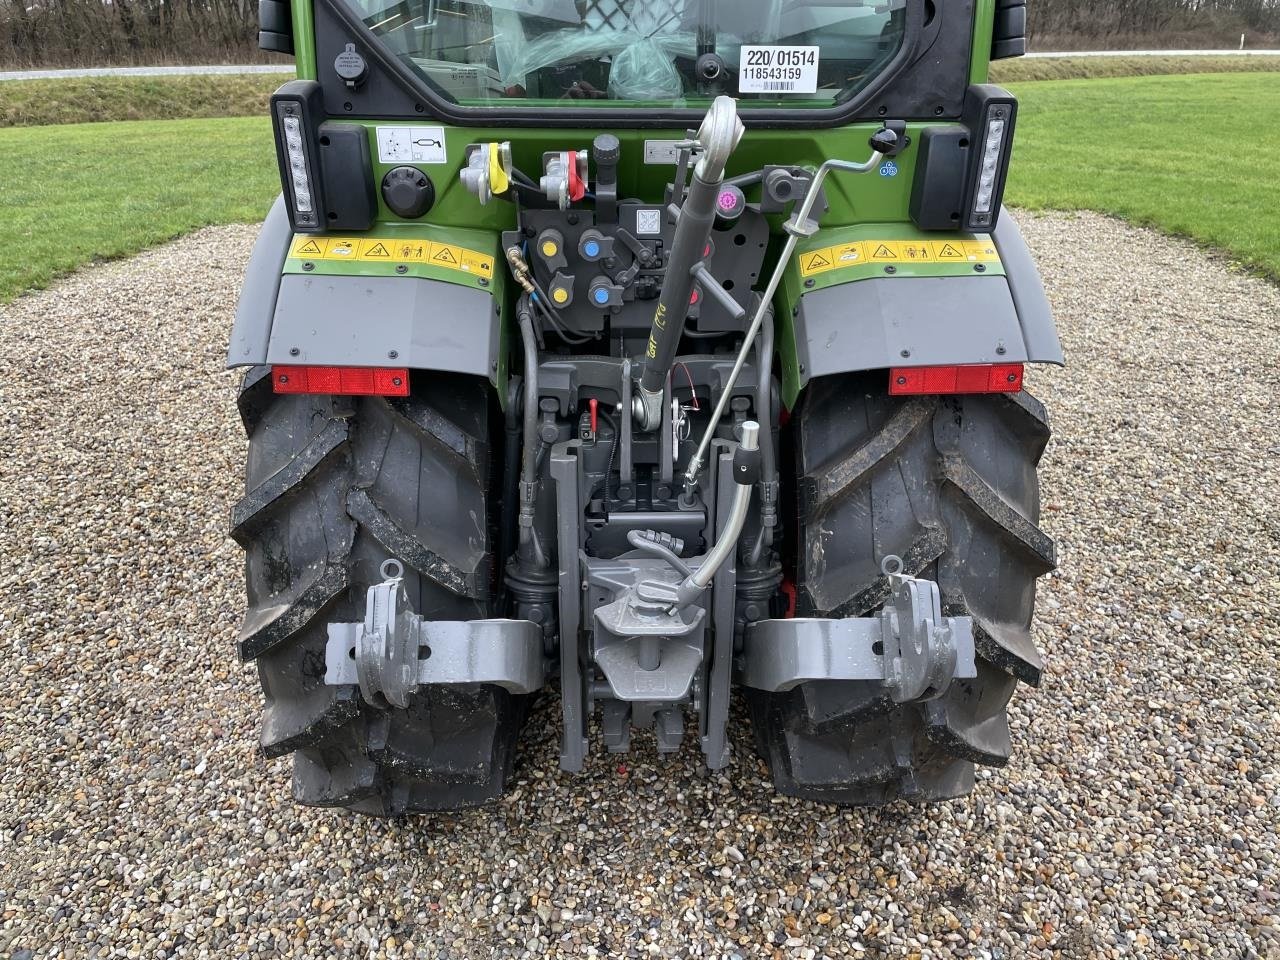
x=342 y=381
x=969 y=378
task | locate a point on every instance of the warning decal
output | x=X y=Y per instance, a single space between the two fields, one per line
x=815 y=262
x=386 y=250
x=897 y=252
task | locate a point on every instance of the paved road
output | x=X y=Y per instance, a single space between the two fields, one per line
x=144 y=71
x=287 y=68
x=1157 y=53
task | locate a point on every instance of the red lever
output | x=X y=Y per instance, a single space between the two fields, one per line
x=594 y=404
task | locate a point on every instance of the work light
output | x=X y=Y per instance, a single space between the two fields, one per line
x=295 y=112
x=989 y=115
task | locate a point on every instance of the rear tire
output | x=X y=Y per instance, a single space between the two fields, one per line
x=335 y=486
x=948 y=484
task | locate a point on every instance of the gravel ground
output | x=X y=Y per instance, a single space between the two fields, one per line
x=1138 y=817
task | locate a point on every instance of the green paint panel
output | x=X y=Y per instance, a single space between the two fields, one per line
x=304 y=38
x=853 y=199
x=984 y=27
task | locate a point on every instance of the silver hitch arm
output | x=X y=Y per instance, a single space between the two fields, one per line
x=395 y=651
x=909 y=648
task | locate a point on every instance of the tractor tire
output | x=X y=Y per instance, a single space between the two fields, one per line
x=948 y=484
x=335 y=486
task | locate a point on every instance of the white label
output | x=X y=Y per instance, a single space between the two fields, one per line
x=411 y=145
x=649 y=223
x=662 y=152
x=779 y=70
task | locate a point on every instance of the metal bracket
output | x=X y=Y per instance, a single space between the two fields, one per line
x=395 y=651
x=909 y=647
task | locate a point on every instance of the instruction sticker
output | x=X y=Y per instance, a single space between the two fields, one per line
x=387 y=250
x=779 y=69
x=898 y=253
x=411 y=145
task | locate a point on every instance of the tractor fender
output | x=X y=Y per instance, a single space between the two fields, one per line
x=353 y=321
x=926 y=321
x=257 y=305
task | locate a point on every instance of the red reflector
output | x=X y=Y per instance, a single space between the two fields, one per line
x=971 y=378
x=342 y=381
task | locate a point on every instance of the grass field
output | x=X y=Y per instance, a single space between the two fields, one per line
x=1197 y=156
x=1192 y=155
x=75 y=193
x=25 y=103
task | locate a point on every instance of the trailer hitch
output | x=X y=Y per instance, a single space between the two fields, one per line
x=910 y=648
x=395 y=651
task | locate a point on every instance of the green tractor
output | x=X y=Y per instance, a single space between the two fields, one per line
x=659 y=352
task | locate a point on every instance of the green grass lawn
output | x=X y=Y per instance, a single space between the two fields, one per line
x=1197 y=156
x=72 y=194
x=1193 y=155
x=29 y=103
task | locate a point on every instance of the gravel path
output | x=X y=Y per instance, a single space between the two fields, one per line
x=1138 y=818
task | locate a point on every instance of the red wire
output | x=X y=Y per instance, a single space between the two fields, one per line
x=692 y=390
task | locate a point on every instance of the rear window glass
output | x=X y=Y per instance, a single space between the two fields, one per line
x=655 y=53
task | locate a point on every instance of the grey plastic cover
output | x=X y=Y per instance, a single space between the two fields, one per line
x=384 y=321
x=927 y=321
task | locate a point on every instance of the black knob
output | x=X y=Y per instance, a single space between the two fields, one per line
x=710 y=67
x=607 y=149
x=350 y=66
x=884 y=141
x=408 y=192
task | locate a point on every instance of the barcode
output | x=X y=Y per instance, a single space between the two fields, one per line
x=772 y=87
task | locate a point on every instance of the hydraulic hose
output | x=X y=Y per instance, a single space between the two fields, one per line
x=720 y=133
x=768 y=453
x=530 y=549
x=697 y=582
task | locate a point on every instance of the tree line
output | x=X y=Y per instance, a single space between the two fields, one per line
x=1153 y=24
x=53 y=33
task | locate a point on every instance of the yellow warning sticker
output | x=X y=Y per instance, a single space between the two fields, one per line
x=982 y=250
x=817 y=261
x=885 y=251
x=949 y=252
x=309 y=247
x=848 y=254
x=902 y=252
x=387 y=250
x=374 y=250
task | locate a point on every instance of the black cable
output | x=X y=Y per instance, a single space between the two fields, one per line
x=705 y=334
x=613 y=455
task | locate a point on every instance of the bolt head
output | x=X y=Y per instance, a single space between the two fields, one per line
x=393 y=354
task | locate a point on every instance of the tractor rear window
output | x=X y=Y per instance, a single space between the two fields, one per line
x=654 y=53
